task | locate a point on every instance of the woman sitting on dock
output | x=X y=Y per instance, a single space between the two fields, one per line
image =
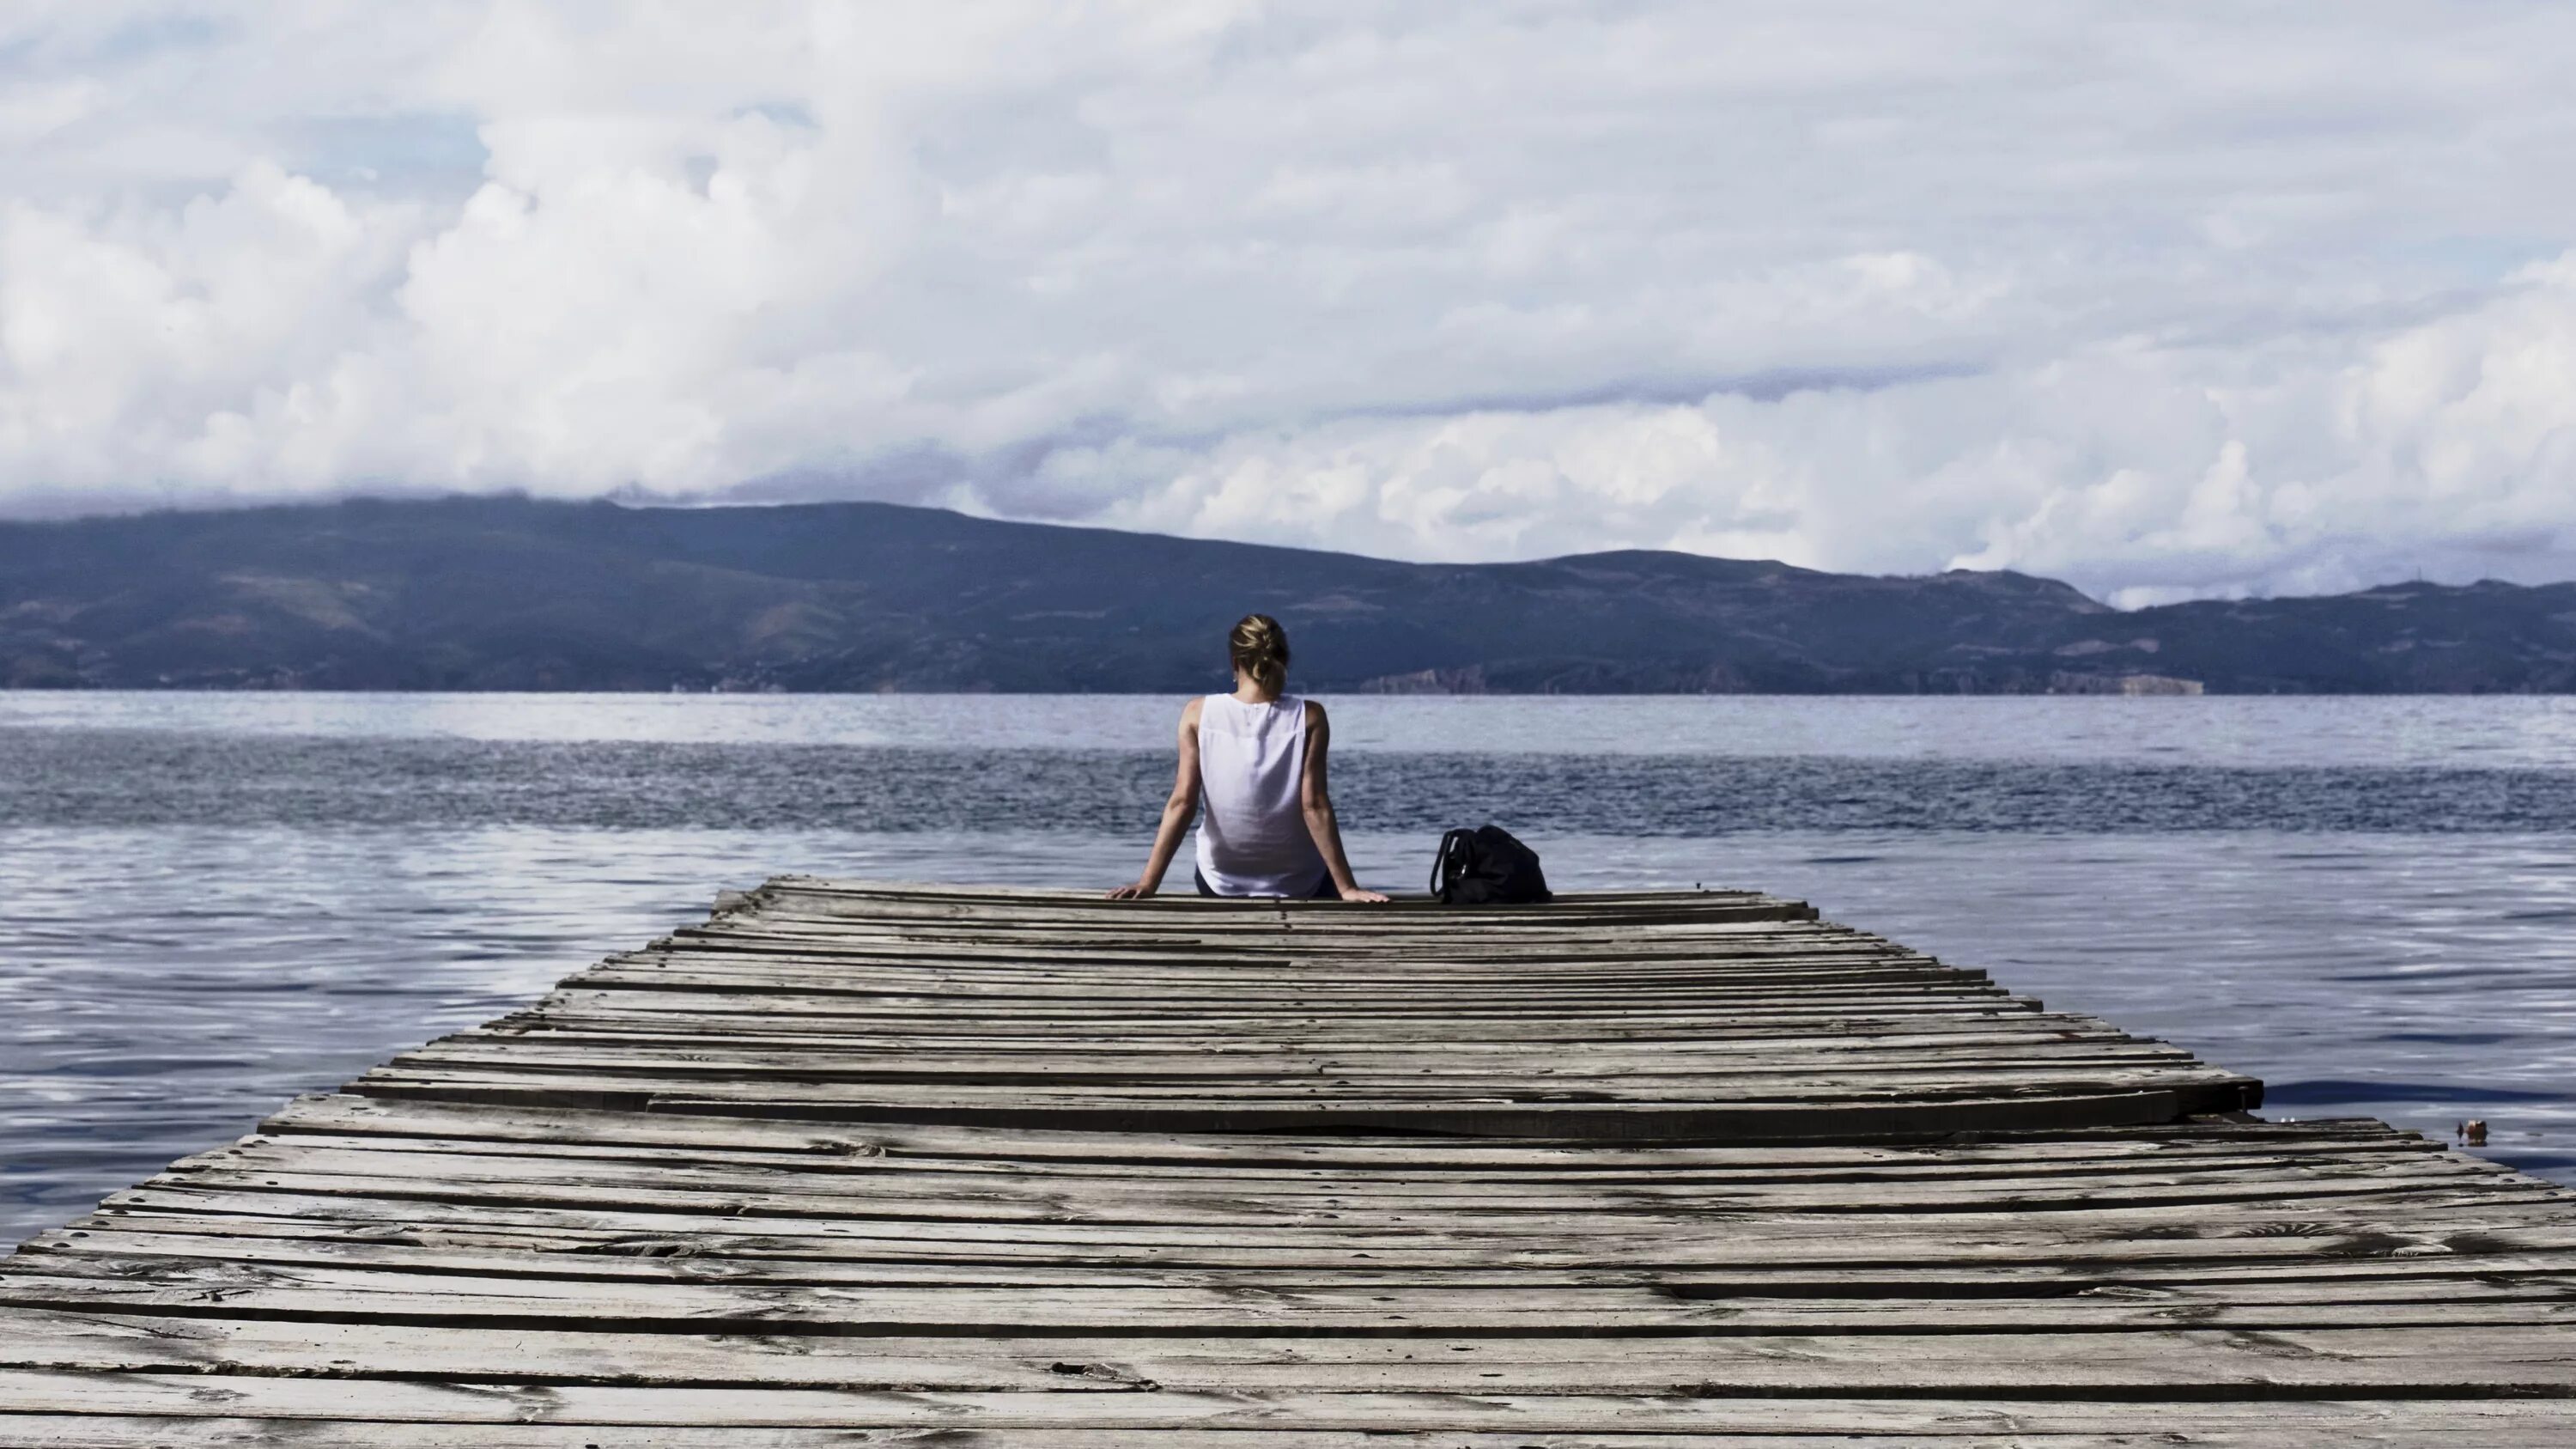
x=1256 y=759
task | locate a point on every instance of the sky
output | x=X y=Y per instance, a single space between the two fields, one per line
x=2169 y=301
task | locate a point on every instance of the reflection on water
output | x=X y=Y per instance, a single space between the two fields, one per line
x=137 y=778
x=304 y=885
x=2493 y=732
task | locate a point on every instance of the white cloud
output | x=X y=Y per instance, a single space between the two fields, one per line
x=2169 y=302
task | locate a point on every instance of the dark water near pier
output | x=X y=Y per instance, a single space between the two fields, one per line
x=208 y=903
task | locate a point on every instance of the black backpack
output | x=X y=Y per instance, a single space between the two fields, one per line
x=1486 y=867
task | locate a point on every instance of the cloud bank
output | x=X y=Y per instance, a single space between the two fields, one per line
x=2173 y=301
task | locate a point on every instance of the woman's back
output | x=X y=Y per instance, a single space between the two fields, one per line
x=1253 y=836
x=1254 y=773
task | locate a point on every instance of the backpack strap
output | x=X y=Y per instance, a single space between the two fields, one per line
x=1449 y=845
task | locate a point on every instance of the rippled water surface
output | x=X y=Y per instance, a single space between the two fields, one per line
x=209 y=903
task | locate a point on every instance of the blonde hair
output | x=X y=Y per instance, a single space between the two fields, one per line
x=1259 y=648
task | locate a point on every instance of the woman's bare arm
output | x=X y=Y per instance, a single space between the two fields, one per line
x=1316 y=796
x=1178 y=812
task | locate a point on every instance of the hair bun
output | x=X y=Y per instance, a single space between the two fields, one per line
x=1259 y=649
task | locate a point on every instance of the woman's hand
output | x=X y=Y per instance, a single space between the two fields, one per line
x=1356 y=894
x=1140 y=890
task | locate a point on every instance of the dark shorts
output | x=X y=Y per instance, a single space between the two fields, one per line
x=1323 y=890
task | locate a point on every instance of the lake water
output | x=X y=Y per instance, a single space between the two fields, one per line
x=211 y=902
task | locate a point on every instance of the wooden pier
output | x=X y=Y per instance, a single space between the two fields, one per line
x=879 y=1165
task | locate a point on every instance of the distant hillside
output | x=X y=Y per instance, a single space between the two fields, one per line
x=514 y=594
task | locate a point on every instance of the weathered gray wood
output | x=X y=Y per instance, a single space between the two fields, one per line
x=234 y=1396
x=2110 y=1246
x=464 y=1178
x=194 y=1287
x=346 y=1113
x=1776 y=1269
x=405 y=1155
x=1020 y=1169
x=1858 y=1116
x=2300 y=1426
x=2524 y=1360
x=2383 y=1422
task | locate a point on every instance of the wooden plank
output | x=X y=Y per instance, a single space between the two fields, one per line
x=461 y=1177
x=815 y=998
x=1702 y=1063
x=347 y=1113
x=2378 y=1423
x=469 y=1402
x=1641 y=1122
x=2293 y=1427
x=2529 y=1361
x=2107 y=1241
x=2383 y=1236
x=1785 y=1166
x=1915 y=1267
x=360 y=1295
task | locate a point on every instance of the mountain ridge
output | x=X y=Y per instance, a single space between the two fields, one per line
x=513 y=593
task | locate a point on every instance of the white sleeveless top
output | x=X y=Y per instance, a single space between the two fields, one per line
x=1252 y=828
